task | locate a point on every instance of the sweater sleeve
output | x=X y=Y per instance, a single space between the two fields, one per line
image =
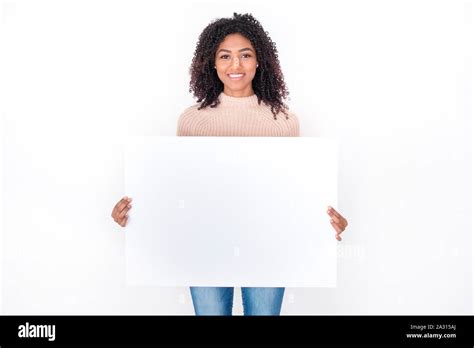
x=186 y=122
x=295 y=127
x=181 y=130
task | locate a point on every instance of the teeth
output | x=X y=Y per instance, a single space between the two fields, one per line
x=236 y=75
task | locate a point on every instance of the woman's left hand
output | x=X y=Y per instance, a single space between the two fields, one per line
x=337 y=221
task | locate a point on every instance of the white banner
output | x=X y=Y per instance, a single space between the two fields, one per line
x=231 y=211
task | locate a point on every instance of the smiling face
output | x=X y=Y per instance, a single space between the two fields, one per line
x=236 y=64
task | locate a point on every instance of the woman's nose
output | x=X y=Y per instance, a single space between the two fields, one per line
x=236 y=62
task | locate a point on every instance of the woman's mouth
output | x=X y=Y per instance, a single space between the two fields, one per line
x=235 y=77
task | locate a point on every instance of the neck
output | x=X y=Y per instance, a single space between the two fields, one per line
x=239 y=94
x=230 y=101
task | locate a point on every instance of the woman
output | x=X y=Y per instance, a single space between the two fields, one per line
x=239 y=86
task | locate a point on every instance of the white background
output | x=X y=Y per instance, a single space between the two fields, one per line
x=391 y=79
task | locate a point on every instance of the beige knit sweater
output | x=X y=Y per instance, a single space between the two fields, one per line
x=237 y=117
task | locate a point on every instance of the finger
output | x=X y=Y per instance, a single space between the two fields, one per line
x=334 y=217
x=120 y=206
x=333 y=212
x=338 y=228
x=123 y=222
x=343 y=220
x=117 y=206
x=338 y=238
x=124 y=211
x=342 y=223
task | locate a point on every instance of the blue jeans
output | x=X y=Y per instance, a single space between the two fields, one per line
x=219 y=300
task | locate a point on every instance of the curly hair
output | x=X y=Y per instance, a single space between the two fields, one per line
x=268 y=83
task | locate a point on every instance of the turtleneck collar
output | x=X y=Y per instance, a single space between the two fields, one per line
x=227 y=100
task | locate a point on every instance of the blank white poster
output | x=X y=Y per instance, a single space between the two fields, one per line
x=231 y=211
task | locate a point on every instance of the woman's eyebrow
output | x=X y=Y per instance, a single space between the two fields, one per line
x=241 y=50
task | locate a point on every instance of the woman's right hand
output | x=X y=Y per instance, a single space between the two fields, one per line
x=119 y=213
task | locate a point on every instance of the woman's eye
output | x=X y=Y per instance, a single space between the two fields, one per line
x=226 y=56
